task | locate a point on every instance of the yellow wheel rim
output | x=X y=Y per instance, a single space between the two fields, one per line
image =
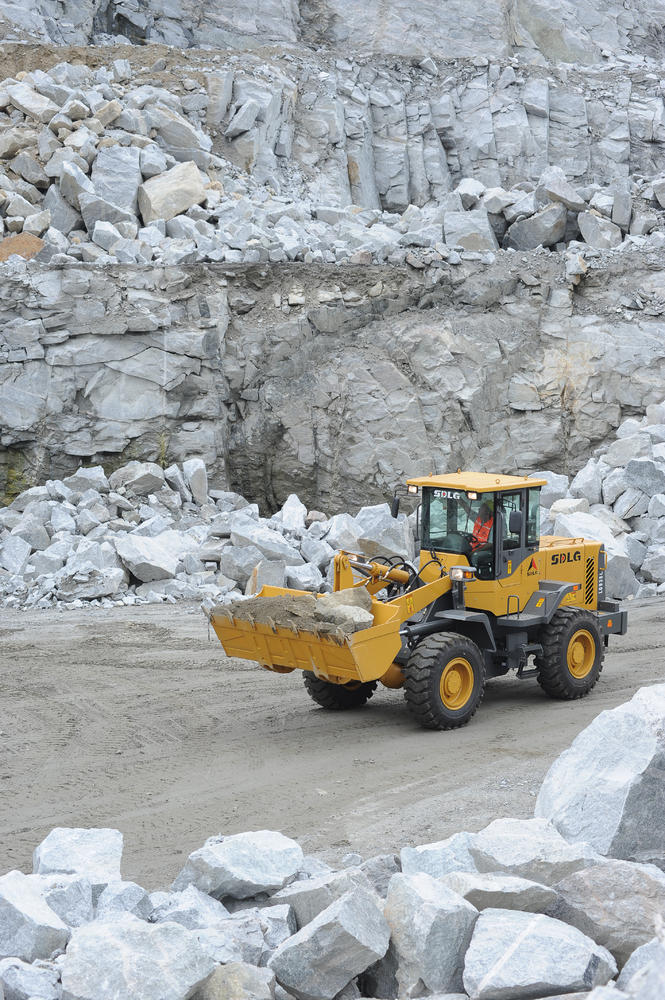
x=581 y=653
x=456 y=683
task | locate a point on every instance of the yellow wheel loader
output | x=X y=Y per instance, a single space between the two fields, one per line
x=488 y=594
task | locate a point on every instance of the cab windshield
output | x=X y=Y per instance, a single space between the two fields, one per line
x=455 y=521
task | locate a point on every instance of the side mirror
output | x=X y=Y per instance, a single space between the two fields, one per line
x=394 y=507
x=515 y=522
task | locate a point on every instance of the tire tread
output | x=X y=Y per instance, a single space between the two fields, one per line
x=422 y=662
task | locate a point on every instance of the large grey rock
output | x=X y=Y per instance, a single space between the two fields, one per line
x=190 y=907
x=31 y=103
x=441 y=858
x=379 y=870
x=545 y=228
x=381 y=534
x=616 y=903
x=29 y=929
x=552 y=184
x=430 y=930
x=238 y=562
x=196 y=477
x=14 y=554
x=653 y=564
x=241 y=865
x=124 y=897
x=140 y=478
x=339 y=944
x=529 y=848
x=238 y=981
x=169 y=194
x=470 y=230
x=240 y=938
x=273 y=545
x=309 y=897
x=91 y=478
x=21 y=981
x=126 y=957
x=70 y=896
x=599 y=232
x=504 y=892
x=524 y=955
x=94 y=853
x=645 y=475
x=606 y=789
x=153 y=558
x=640 y=959
x=648 y=983
x=116 y=176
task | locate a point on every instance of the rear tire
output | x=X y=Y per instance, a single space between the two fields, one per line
x=445 y=681
x=572 y=656
x=338 y=697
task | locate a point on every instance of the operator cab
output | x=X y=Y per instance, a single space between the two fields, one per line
x=491 y=522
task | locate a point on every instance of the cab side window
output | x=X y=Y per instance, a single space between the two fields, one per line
x=533 y=519
x=510 y=502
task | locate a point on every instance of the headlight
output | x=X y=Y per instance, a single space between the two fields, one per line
x=413 y=489
x=458 y=573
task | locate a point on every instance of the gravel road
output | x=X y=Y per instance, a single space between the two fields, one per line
x=133 y=718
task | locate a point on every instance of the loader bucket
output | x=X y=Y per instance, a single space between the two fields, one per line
x=361 y=656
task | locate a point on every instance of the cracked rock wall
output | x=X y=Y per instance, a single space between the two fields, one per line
x=332 y=384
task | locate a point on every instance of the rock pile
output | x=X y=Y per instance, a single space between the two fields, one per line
x=619 y=498
x=147 y=534
x=113 y=165
x=513 y=912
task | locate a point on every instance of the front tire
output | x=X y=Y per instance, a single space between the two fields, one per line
x=572 y=656
x=445 y=681
x=338 y=697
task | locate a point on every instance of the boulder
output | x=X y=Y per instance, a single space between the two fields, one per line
x=639 y=960
x=140 y=478
x=309 y=897
x=556 y=487
x=94 y=853
x=606 y=789
x=70 y=896
x=430 y=930
x=469 y=230
x=441 y=858
x=239 y=938
x=648 y=983
x=379 y=870
x=545 y=228
x=307 y=577
x=239 y=561
x=126 y=957
x=191 y=908
x=31 y=103
x=14 y=554
x=645 y=475
x=340 y=943
x=273 y=545
x=92 y=478
x=343 y=533
x=599 y=232
x=653 y=564
x=624 y=450
x=504 y=892
x=196 y=477
x=21 y=981
x=526 y=955
x=169 y=194
x=381 y=534
x=116 y=176
x=553 y=185
x=616 y=903
x=29 y=929
x=529 y=848
x=293 y=514
x=242 y=865
x=124 y=897
x=153 y=558
x=238 y=981
x=268 y=573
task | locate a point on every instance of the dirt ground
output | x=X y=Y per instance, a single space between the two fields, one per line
x=133 y=718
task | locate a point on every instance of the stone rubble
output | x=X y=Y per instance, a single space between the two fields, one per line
x=145 y=534
x=251 y=918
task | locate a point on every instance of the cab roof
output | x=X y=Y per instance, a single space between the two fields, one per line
x=480 y=482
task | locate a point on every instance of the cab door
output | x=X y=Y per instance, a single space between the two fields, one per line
x=517 y=570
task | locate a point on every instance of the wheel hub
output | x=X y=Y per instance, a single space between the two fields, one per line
x=581 y=653
x=456 y=683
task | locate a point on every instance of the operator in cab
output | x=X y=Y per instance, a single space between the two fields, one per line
x=482 y=528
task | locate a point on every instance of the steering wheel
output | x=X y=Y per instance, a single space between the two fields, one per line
x=457 y=541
